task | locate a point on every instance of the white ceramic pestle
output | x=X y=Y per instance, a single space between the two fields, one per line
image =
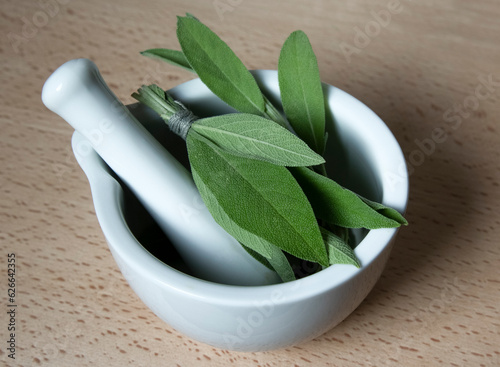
x=77 y=93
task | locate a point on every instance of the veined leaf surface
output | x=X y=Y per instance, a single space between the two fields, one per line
x=261 y=198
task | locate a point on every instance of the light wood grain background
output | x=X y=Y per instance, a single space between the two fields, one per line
x=437 y=303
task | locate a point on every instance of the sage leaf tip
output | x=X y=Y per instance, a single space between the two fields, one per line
x=148 y=52
x=298 y=32
x=189 y=15
x=187 y=18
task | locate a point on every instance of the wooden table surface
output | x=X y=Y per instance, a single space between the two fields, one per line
x=430 y=69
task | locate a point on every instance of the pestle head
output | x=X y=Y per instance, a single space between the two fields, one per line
x=66 y=80
x=77 y=92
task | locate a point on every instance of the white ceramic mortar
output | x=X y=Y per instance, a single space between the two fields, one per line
x=363 y=155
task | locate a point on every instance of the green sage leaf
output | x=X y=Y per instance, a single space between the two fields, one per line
x=301 y=90
x=337 y=205
x=218 y=67
x=385 y=211
x=257 y=138
x=278 y=262
x=261 y=198
x=264 y=252
x=339 y=252
x=173 y=57
x=257 y=244
x=264 y=261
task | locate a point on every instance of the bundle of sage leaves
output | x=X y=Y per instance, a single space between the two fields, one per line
x=262 y=176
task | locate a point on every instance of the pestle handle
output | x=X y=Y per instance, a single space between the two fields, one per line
x=77 y=92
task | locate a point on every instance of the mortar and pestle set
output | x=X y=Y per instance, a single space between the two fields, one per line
x=177 y=259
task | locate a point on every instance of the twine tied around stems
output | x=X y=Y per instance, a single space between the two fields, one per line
x=181 y=121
